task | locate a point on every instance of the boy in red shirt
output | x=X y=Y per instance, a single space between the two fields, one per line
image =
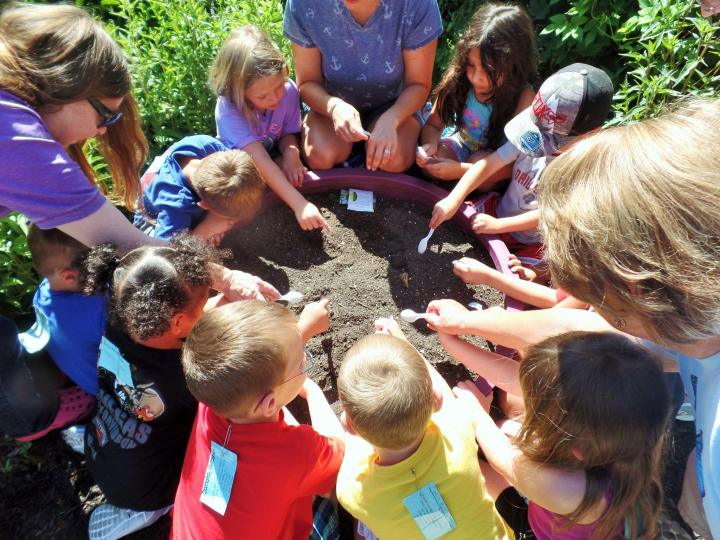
x=250 y=470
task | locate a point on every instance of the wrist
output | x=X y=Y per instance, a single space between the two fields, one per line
x=332 y=103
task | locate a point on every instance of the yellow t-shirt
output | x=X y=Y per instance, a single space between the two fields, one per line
x=447 y=456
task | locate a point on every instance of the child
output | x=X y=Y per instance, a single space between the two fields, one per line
x=135 y=443
x=570 y=105
x=250 y=470
x=588 y=454
x=73 y=321
x=258 y=110
x=69 y=325
x=486 y=85
x=408 y=443
x=199 y=186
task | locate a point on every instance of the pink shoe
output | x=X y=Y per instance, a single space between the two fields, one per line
x=74 y=405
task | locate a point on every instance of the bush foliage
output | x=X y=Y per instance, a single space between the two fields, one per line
x=655 y=50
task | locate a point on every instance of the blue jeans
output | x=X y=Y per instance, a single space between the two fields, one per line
x=24 y=409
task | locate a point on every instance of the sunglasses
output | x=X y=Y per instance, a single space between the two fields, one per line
x=108 y=117
x=309 y=362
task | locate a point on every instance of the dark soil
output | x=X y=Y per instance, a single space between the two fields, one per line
x=368 y=266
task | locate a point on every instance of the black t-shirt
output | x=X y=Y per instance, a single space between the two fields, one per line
x=135 y=443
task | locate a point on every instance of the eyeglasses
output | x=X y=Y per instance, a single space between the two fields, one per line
x=308 y=362
x=108 y=117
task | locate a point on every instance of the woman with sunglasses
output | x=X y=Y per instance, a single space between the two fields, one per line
x=64 y=80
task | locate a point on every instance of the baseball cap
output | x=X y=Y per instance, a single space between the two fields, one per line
x=569 y=103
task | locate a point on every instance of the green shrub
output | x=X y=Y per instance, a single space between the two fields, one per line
x=171 y=45
x=671 y=52
x=17 y=277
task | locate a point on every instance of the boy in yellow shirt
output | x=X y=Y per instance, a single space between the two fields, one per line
x=410 y=468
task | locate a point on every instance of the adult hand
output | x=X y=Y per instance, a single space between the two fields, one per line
x=485 y=224
x=346 y=121
x=309 y=217
x=383 y=142
x=315 y=318
x=293 y=167
x=443 y=210
x=444 y=168
x=237 y=285
x=447 y=316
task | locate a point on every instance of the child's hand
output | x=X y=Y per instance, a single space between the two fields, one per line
x=429 y=150
x=447 y=316
x=444 y=168
x=308 y=387
x=485 y=224
x=346 y=122
x=293 y=167
x=443 y=210
x=468 y=395
x=309 y=217
x=516 y=267
x=212 y=225
x=239 y=285
x=388 y=325
x=472 y=271
x=314 y=319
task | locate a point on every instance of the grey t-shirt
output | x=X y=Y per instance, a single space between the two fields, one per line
x=363 y=65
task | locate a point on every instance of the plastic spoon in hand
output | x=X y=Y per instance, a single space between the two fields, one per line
x=408 y=315
x=422 y=246
x=291 y=297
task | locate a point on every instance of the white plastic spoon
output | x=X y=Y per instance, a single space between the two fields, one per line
x=292 y=297
x=408 y=315
x=476 y=306
x=422 y=246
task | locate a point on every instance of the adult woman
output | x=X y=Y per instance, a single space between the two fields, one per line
x=64 y=80
x=363 y=64
x=631 y=224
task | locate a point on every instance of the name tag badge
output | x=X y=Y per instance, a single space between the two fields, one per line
x=429 y=511
x=219 y=477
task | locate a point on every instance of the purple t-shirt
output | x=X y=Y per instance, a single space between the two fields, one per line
x=363 y=65
x=235 y=130
x=39 y=179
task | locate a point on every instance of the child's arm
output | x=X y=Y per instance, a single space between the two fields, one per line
x=292 y=165
x=322 y=417
x=476 y=272
x=212 y=227
x=485 y=224
x=314 y=319
x=558 y=490
x=499 y=370
x=475 y=176
x=306 y=213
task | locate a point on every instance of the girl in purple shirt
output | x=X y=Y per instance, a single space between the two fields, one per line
x=258 y=110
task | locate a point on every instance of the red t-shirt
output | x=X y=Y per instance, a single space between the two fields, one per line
x=280 y=468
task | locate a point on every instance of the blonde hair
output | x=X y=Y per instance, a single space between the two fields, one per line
x=52 y=55
x=247 y=55
x=236 y=353
x=632 y=216
x=386 y=391
x=52 y=250
x=230 y=183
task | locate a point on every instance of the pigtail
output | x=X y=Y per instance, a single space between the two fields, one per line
x=98 y=269
x=192 y=259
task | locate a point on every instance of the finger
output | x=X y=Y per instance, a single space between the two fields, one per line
x=324 y=302
x=324 y=224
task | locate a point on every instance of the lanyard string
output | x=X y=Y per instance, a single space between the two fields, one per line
x=227 y=435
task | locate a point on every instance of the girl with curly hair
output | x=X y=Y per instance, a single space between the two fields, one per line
x=136 y=441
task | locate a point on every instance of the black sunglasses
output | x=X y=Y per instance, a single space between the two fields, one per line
x=108 y=117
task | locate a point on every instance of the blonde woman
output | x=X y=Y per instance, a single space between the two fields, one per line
x=258 y=110
x=646 y=255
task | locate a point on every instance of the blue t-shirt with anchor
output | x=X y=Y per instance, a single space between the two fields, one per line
x=363 y=65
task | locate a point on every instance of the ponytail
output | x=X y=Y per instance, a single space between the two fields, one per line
x=98 y=270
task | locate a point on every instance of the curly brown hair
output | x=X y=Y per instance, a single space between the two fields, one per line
x=505 y=37
x=150 y=284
